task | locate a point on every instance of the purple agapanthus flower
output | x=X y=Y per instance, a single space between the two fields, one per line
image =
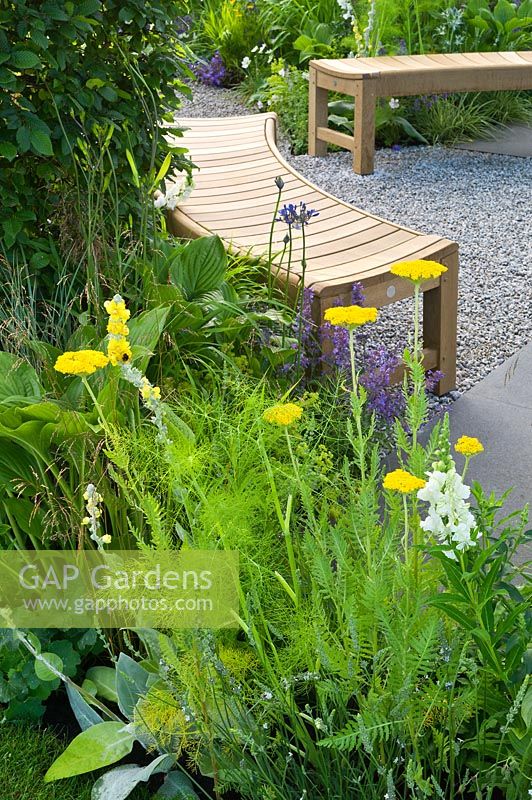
x=211 y=73
x=296 y=217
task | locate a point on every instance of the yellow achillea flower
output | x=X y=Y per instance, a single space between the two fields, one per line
x=80 y=362
x=350 y=316
x=117 y=327
x=119 y=351
x=469 y=446
x=116 y=308
x=402 y=481
x=283 y=414
x=418 y=270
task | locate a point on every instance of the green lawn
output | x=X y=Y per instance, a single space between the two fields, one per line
x=26 y=752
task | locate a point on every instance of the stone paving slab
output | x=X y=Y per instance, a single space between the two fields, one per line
x=511 y=140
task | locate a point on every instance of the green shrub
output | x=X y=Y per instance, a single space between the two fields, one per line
x=498 y=26
x=23 y=693
x=232 y=28
x=81 y=84
x=285 y=91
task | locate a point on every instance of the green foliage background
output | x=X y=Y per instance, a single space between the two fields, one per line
x=78 y=80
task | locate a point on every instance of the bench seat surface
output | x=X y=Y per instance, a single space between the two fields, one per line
x=235 y=196
x=401 y=65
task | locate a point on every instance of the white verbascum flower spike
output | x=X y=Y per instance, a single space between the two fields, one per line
x=92 y=520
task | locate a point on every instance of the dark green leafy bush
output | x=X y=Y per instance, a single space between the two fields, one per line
x=22 y=691
x=80 y=84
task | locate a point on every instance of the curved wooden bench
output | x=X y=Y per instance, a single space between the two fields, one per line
x=235 y=197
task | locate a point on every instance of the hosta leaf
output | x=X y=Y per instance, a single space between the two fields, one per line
x=526 y=708
x=201 y=266
x=18 y=381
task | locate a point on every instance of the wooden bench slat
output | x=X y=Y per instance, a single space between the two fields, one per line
x=225 y=219
x=362 y=230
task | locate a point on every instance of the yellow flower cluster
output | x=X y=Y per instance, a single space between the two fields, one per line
x=118 y=347
x=117 y=327
x=283 y=414
x=402 y=481
x=116 y=308
x=469 y=446
x=350 y=316
x=149 y=392
x=80 y=362
x=418 y=271
x=119 y=350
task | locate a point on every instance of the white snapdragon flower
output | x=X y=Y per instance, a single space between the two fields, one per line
x=448 y=518
x=433 y=488
x=246 y=61
x=176 y=191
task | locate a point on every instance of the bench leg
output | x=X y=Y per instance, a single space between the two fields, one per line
x=440 y=322
x=318 y=114
x=364 y=132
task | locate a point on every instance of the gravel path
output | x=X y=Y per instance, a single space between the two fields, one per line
x=482 y=201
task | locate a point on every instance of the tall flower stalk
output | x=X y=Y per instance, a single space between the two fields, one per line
x=84 y=363
x=280 y=185
x=351 y=318
x=297 y=217
x=417 y=272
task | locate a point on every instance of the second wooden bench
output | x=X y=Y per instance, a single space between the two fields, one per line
x=366 y=79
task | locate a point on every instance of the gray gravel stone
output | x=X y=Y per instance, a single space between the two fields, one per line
x=482 y=201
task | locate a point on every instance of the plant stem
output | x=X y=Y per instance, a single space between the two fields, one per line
x=301 y=298
x=270 y=242
x=417 y=356
x=356 y=406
